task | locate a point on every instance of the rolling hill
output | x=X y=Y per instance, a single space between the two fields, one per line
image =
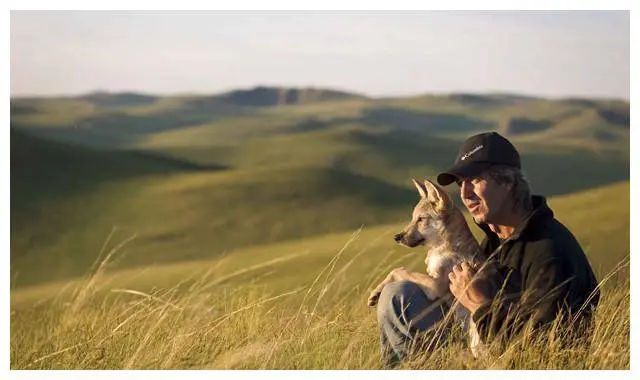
x=195 y=177
x=291 y=305
x=280 y=267
x=67 y=199
x=245 y=230
x=128 y=118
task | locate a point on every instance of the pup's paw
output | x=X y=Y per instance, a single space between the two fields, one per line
x=373 y=298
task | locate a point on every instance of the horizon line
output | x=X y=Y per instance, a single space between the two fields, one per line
x=315 y=87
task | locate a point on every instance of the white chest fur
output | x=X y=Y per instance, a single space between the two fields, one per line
x=438 y=262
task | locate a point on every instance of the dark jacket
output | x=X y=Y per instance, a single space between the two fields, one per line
x=542 y=270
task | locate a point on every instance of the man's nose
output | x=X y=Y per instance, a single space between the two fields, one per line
x=398 y=237
x=465 y=189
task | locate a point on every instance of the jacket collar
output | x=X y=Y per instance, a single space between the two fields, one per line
x=540 y=212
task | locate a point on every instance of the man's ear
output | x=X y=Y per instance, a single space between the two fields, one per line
x=437 y=197
x=421 y=189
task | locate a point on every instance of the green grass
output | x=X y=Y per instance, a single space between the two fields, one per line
x=387 y=139
x=251 y=328
x=219 y=235
x=188 y=216
x=323 y=324
x=179 y=119
x=216 y=178
x=590 y=215
x=297 y=304
x=66 y=199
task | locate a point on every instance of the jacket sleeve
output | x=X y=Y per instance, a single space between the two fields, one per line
x=545 y=280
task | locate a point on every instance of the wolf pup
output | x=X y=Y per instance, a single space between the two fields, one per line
x=436 y=221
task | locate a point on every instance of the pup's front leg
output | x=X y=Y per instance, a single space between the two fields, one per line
x=391 y=277
x=432 y=287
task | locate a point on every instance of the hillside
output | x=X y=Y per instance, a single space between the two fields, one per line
x=280 y=267
x=270 y=96
x=294 y=305
x=67 y=168
x=388 y=139
x=128 y=118
x=195 y=177
x=61 y=217
x=185 y=216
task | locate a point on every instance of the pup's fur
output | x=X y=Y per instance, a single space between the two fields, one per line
x=439 y=223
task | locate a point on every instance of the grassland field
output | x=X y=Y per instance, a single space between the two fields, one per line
x=208 y=232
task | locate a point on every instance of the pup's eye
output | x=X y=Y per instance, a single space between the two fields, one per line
x=421 y=219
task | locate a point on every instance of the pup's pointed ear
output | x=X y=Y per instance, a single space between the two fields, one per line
x=421 y=189
x=437 y=197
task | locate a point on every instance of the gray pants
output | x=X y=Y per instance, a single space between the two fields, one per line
x=408 y=320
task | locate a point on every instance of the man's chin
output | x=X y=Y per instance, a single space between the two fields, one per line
x=480 y=219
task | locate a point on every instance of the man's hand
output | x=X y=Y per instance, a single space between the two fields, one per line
x=465 y=289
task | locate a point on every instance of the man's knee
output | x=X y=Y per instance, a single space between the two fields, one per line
x=394 y=293
x=405 y=302
x=404 y=289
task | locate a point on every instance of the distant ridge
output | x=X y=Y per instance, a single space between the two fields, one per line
x=300 y=95
x=126 y=119
x=489 y=99
x=262 y=96
x=119 y=99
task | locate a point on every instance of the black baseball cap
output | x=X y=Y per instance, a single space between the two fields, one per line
x=478 y=153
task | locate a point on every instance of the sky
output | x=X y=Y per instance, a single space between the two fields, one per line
x=552 y=54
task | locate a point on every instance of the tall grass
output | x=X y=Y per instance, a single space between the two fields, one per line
x=201 y=323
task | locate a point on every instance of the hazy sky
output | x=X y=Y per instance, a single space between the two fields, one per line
x=555 y=54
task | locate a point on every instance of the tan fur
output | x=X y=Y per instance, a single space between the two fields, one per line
x=438 y=224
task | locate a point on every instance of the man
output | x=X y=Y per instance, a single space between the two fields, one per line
x=540 y=268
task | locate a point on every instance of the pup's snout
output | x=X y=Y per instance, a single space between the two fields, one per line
x=398 y=237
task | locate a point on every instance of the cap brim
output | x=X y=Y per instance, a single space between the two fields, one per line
x=461 y=170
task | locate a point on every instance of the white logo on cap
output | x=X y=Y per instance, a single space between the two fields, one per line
x=472 y=151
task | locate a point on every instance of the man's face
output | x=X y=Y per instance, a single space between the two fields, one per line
x=486 y=200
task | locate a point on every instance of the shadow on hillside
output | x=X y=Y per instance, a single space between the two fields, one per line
x=567 y=173
x=317 y=124
x=401 y=119
x=273 y=96
x=47 y=169
x=519 y=126
x=22 y=109
x=404 y=119
x=617 y=116
x=551 y=173
x=117 y=129
x=124 y=99
x=495 y=100
x=223 y=216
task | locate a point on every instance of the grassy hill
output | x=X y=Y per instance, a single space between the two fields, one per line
x=245 y=229
x=60 y=221
x=40 y=167
x=67 y=199
x=388 y=139
x=269 y=96
x=196 y=176
x=126 y=118
x=293 y=305
x=590 y=215
x=184 y=215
